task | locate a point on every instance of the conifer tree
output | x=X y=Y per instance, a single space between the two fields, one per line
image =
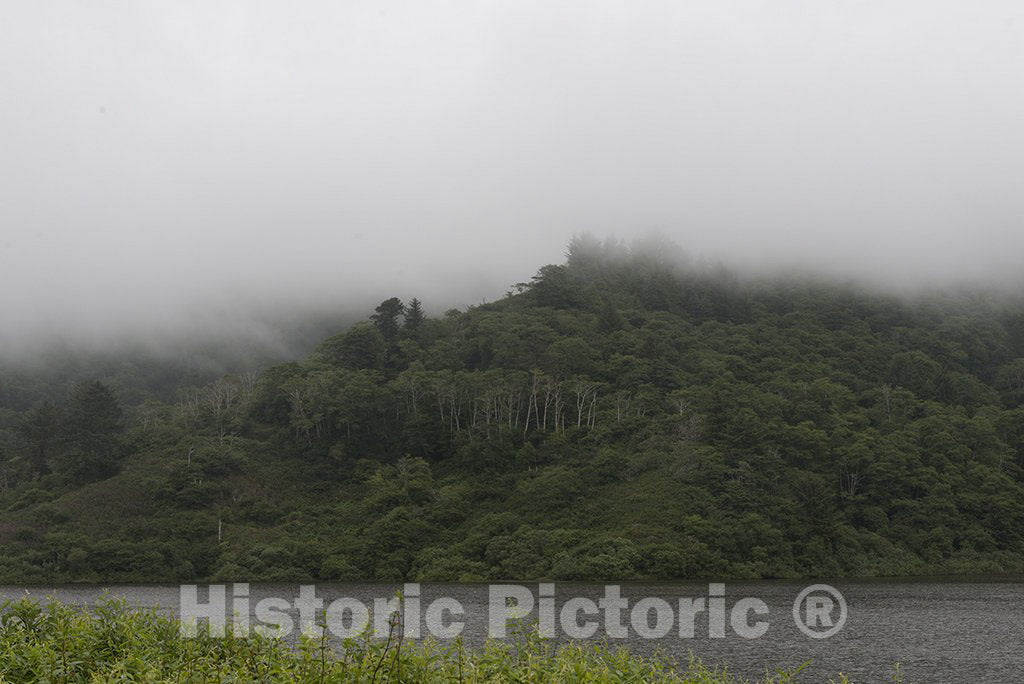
x=414 y=315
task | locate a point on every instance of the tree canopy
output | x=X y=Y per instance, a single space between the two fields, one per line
x=625 y=415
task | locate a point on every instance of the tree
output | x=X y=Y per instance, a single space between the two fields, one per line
x=413 y=315
x=558 y=287
x=91 y=432
x=362 y=346
x=38 y=429
x=386 y=319
x=1010 y=380
x=609 y=319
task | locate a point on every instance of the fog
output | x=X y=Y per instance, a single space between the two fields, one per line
x=197 y=166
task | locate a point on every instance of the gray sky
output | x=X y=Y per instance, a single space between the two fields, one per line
x=163 y=162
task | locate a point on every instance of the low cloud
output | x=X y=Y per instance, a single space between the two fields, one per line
x=171 y=167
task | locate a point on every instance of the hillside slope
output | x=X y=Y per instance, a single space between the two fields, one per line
x=618 y=417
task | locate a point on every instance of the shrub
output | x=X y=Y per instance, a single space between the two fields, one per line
x=114 y=643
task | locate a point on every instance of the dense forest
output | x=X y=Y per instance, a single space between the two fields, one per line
x=624 y=415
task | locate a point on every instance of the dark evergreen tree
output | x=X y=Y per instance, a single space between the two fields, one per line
x=386 y=319
x=413 y=316
x=91 y=430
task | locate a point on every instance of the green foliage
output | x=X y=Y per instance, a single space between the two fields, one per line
x=385 y=317
x=38 y=429
x=363 y=346
x=621 y=417
x=414 y=317
x=58 y=643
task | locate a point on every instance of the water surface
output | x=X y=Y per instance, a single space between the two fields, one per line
x=938 y=630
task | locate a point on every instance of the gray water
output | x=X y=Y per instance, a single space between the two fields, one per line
x=939 y=630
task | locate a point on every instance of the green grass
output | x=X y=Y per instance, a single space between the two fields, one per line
x=113 y=643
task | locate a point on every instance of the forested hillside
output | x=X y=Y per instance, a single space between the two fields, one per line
x=622 y=416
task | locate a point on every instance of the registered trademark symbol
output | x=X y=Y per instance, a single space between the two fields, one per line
x=813 y=611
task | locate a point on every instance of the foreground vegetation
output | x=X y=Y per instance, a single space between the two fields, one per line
x=619 y=417
x=61 y=644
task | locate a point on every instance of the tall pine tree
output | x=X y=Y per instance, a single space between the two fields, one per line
x=413 y=316
x=91 y=430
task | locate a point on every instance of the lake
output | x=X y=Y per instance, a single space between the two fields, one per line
x=938 y=630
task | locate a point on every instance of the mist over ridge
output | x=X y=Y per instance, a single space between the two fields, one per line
x=249 y=329
x=174 y=171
